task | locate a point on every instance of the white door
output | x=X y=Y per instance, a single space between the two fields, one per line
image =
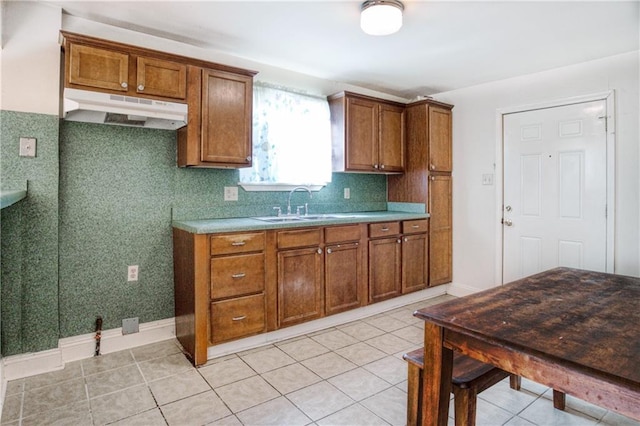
x=555 y=200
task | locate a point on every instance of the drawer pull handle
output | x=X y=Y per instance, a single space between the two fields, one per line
x=238 y=318
x=238 y=243
x=415 y=226
x=384 y=229
x=242 y=275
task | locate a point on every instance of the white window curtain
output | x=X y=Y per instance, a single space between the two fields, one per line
x=291 y=138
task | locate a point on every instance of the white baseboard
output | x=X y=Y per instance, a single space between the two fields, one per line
x=322 y=323
x=461 y=290
x=83 y=346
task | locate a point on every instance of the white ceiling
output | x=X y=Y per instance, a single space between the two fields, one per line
x=443 y=45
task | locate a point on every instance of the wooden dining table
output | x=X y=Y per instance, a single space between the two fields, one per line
x=575 y=331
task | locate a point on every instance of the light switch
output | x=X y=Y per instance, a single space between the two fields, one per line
x=487 y=179
x=28 y=147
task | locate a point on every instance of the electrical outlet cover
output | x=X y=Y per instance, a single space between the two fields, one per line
x=130 y=325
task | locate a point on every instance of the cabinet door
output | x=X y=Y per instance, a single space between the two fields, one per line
x=300 y=278
x=384 y=269
x=440 y=139
x=440 y=230
x=415 y=267
x=161 y=78
x=226 y=118
x=362 y=135
x=391 y=143
x=98 y=68
x=343 y=275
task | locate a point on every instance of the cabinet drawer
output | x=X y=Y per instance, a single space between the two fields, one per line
x=235 y=318
x=383 y=229
x=338 y=234
x=299 y=238
x=415 y=226
x=237 y=275
x=237 y=243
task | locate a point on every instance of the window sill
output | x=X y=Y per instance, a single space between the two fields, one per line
x=276 y=187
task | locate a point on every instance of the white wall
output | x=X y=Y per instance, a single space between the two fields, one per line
x=475 y=229
x=30 y=61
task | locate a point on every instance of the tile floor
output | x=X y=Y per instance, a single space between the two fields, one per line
x=352 y=374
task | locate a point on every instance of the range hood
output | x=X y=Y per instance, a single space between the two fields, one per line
x=121 y=110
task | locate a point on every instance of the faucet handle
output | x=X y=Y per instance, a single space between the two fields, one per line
x=298 y=208
x=278 y=211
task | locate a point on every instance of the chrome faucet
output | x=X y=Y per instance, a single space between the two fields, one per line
x=291 y=193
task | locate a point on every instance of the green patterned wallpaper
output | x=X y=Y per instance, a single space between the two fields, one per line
x=29 y=235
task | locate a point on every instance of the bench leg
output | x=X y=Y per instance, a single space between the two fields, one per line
x=515 y=381
x=414 y=395
x=464 y=401
x=559 y=399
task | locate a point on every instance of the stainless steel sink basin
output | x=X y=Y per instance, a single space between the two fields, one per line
x=310 y=217
x=279 y=219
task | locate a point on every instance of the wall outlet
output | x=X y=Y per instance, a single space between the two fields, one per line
x=130 y=325
x=132 y=273
x=347 y=193
x=231 y=193
x=487 y=179
x=27 y=147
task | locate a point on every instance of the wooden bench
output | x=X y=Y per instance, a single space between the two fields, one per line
x=469 y=378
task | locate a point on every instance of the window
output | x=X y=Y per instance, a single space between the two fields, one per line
x=291 y=139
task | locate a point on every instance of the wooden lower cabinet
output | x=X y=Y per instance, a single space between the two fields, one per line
x=299 y=286
x=343 y=276
x=415 y=262
x=238 y=317
x=385 y=268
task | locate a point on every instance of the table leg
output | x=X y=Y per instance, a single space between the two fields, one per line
x=438 y=367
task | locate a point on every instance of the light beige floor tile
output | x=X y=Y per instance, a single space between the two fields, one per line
x=390 y=369
x=177 y=387
x=227 y=421
x=223 y=373
x=328 y=365
x=303 y=348
x=148 y=418
x=386 y=323
x=195 y=410
x=361 y=353
x=14 y=387
x=277 y=412
x=120 y=405
x=504 y=397
x=488 y=414
x=156 y=350
x=354 y=414
x=76 y=414
x=390 y=404
x=541 y=412
x=113 y=380
x=389 y=344
x=98 y=364
x=246 y=393
x=334 y=339
x=159 y=368
x=254 y=350
x=403 y=386
x=615 y=419
x=11 y=408
x=53 y=396
x=517 y=421
x=71 y=370
x=411 y=334
x=361 y=330
x=359 y=384
x=320 y=400
x=267 y=360
x=576 y=404
x=290 y=378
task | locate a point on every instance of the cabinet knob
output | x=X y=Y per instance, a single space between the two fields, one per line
x=432 y=177
x=406 y=239
x=248 y=158
x=382 y=166
x=329 y=251
x=432 y=166
x=124 y=85
x=319 y=251
x=141 y=87
x=375 y=166
x=399 y=241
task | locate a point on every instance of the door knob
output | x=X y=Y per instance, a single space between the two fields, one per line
x=507 y=222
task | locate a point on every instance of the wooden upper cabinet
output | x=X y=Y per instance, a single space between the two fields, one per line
x=97 y=68
x=368 y=134
x=161 y=78
x=440 y=158
x=226 y=118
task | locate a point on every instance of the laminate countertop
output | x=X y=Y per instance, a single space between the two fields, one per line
x=214 y=226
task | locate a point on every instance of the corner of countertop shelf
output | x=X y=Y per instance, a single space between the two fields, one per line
x=407 y=207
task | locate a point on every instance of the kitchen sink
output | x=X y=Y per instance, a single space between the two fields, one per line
x=279 y=219
x=310 y=217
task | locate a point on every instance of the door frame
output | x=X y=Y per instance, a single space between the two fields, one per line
x=609 y=98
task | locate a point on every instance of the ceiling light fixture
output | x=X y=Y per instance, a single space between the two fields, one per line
x=381 y=17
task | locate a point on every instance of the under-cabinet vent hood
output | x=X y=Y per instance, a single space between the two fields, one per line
x=121 y=110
